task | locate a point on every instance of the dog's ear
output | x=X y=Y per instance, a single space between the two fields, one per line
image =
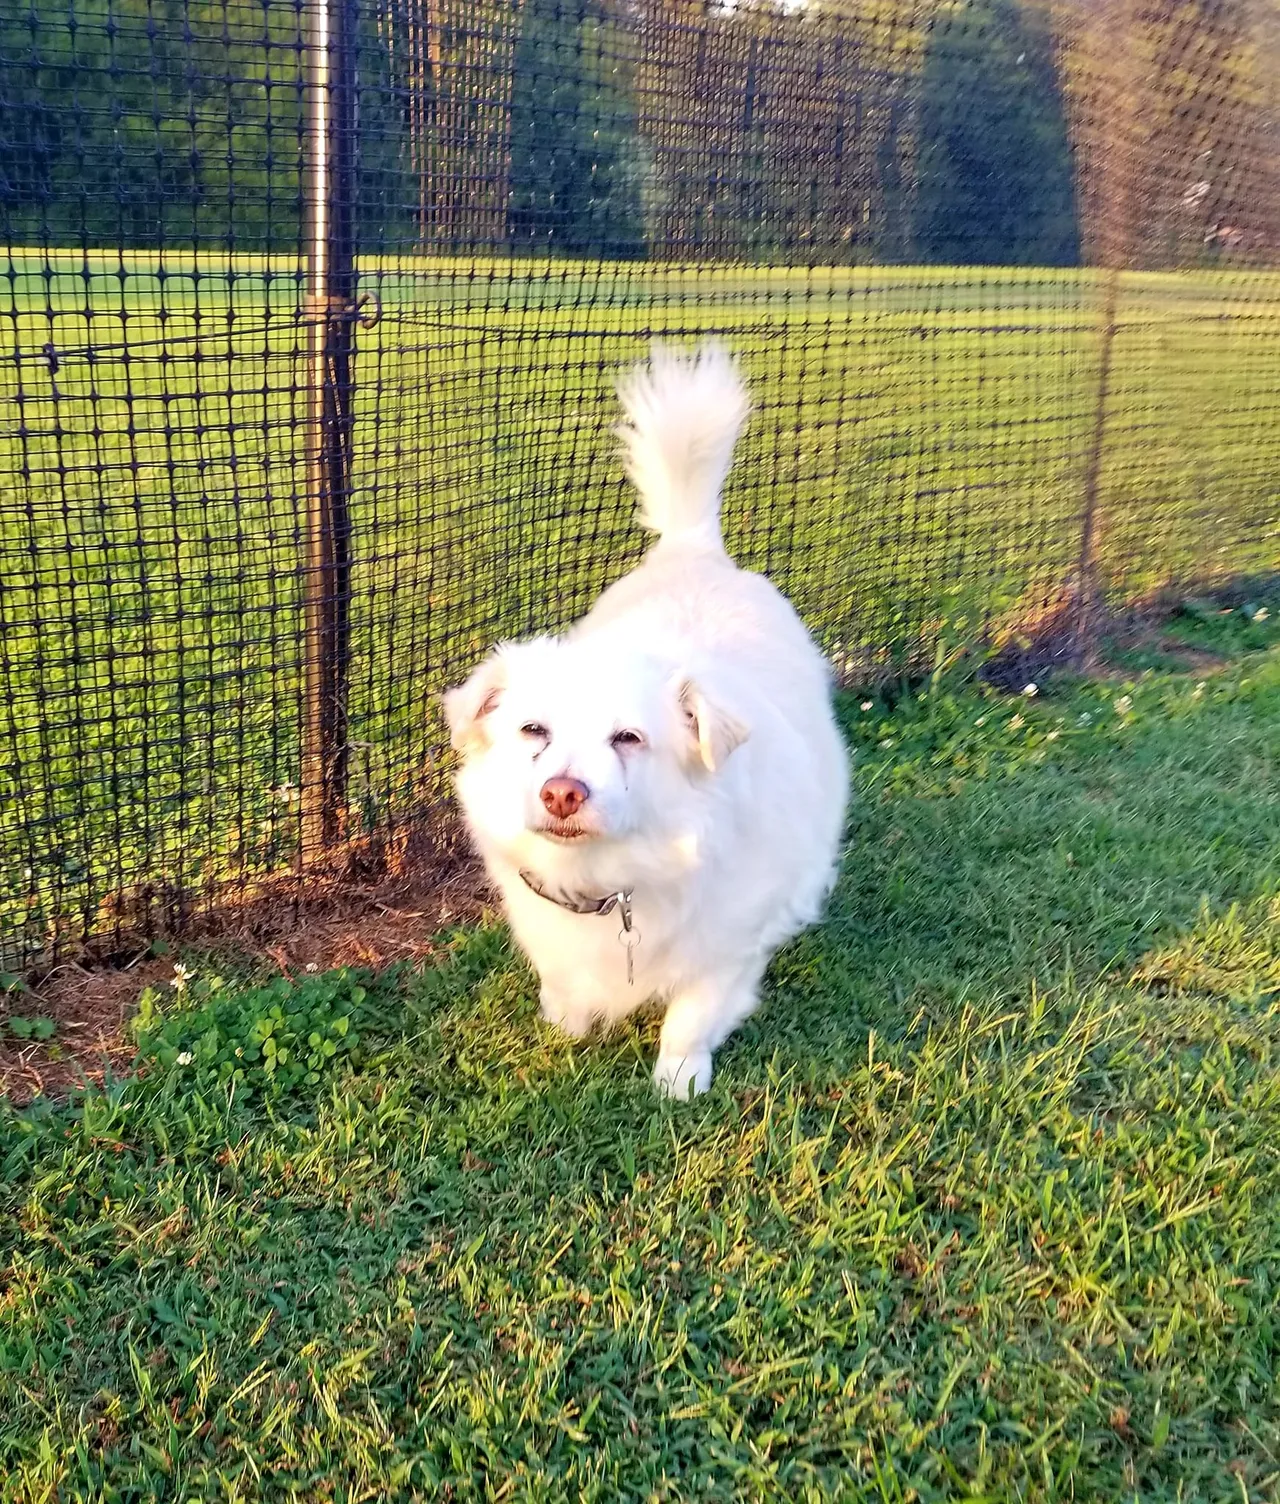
x=466 y=707
x=714 y=730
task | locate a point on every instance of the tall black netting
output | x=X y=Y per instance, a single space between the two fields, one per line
x=310 y=314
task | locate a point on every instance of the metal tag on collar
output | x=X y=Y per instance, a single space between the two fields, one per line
x=628 y=935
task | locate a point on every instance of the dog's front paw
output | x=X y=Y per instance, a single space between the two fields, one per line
x=570 y=1018
x=683 y=1076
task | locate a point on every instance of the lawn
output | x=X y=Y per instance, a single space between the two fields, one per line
x=984 y=1203
x=916 y=465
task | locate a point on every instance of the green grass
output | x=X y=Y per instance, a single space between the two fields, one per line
x=917 y=458
x=985 y=1202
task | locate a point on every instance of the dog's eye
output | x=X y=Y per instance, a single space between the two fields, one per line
x=626 y=739
x=535 y=731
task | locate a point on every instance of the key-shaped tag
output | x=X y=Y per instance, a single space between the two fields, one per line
x=628 y=935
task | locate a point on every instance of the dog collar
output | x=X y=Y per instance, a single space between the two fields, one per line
x=581 y=904
x=628 y=935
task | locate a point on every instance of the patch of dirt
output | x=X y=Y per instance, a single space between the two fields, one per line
x=90 y=1007
x=1045 y=640
x=287 y=924
x=1140 y=636
x=1051 y=639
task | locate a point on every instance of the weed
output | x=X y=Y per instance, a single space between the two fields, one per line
x=274 y=1038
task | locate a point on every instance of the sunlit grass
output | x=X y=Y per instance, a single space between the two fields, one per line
x=984 y=1203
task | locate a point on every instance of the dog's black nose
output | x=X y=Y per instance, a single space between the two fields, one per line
x=564 y=797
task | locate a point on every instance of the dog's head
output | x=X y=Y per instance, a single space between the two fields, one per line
x=586 y=741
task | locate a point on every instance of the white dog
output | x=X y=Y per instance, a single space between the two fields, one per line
x=659 y=794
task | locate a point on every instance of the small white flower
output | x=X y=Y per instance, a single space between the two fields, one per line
x=1053 y=736
x=181 y=976
x=1031 y=691
x=311 y=966
x=1085 y=718
x=981 y=721
x=186 y=1058
x=1124 y=705
x=1016 y=723
x=1261 y=614
x=867 y=704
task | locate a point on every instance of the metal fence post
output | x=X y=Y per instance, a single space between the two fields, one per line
x=1119 y=171
x=329 y=311
x=1089 y=585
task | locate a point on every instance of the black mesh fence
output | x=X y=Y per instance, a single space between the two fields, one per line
x=310 y=313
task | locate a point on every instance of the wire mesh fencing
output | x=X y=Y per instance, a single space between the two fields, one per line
x=311 y=313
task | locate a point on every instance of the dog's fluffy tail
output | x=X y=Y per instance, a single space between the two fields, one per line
x=683 y=417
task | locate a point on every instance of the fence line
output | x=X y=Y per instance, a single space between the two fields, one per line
x=310 y=316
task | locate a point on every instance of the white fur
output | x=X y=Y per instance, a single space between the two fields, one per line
x=725 y=824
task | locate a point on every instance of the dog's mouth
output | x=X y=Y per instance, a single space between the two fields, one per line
x=565 y=830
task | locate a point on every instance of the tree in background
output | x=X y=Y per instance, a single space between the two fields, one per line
x=151 y=122
x=778 y=132
x=456 y=60
x=995 y=182
x=576 y=170
x=158 y=123
x=830 y=131
x=1207 y=187
x=1174 y=107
